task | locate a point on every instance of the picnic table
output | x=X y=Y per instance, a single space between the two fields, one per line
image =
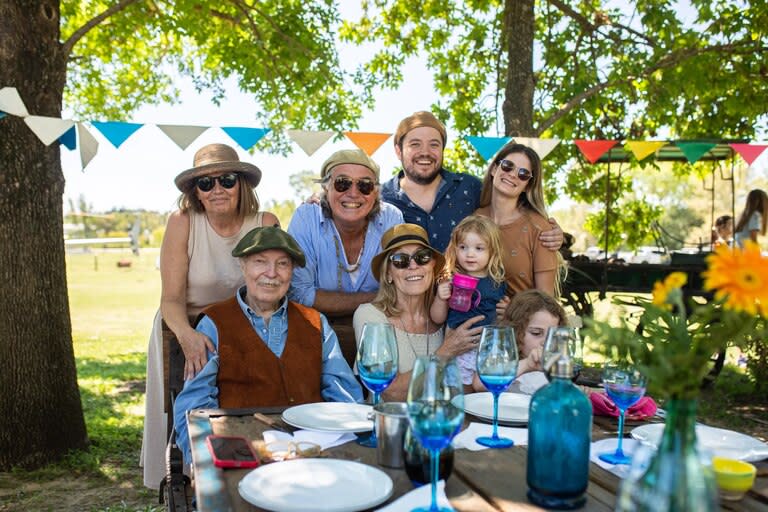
x=482 y=481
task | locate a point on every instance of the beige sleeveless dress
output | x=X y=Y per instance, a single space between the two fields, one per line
x=214 y=275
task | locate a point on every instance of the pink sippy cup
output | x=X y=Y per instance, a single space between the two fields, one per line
x=464 y=287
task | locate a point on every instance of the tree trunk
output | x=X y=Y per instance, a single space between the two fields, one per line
x=42 y=414
x=518 y=29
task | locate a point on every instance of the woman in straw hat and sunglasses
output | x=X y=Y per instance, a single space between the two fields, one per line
x=217 y=206
x=406 y=269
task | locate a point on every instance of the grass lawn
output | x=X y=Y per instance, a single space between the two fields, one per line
x=112 y=310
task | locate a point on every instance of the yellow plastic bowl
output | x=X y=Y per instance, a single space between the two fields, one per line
x=734 y=477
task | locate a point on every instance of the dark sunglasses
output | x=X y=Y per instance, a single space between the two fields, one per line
x=344 y=183
x=523 y=174
x=402 y=260
x=206 y=183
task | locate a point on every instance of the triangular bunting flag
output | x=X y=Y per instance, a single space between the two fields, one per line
x=749 y=152
x=368 y=142
x=246 y=138
x=69 y=139
x=48 y=129
x=88 y=145
x=487 y=146
x=542 y=147
x=594 y=149
x=309 y=141
x=11 y=102
x=693 y=151
x=2 y=115
x=643 y=149
x=116 y=132
x=183 y=136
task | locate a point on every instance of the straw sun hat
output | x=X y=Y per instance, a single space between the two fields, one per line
x=215 y=158
x=400 y=235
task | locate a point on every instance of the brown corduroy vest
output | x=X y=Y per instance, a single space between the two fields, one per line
x=250 y=375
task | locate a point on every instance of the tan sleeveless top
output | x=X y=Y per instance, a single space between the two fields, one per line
x=214 y=274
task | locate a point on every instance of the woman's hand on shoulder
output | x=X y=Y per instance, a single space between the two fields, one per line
x=462 y=339
x=553 y=238
x=196 y=346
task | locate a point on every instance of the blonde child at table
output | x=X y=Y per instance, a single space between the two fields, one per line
x=474 y=250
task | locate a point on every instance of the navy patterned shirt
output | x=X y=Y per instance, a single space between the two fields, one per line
x=457 y=197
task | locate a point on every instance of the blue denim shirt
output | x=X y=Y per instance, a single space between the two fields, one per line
x=318 y=238
x=457 y=197
x=337 y=384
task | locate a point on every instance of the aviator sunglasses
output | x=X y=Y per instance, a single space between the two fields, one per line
x=364 y=185
x=523 y=174
x=206 y=183
x=402 y=260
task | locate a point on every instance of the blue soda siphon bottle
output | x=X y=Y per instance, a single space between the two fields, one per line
x=559 y=438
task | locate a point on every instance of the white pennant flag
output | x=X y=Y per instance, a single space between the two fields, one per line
x=48 y=129
x=11 y=102
x=88 y=145
x=542 y=147
x=309 y=141
x=182 y=135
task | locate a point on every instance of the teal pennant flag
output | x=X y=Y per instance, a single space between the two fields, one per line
x=2 y=115
x=693 y=151
x=487 y=146
x=116 y=132
x=69 y=139
x=246 y=138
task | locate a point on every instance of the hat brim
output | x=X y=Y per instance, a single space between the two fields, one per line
x=439 y=259
x=186 y=179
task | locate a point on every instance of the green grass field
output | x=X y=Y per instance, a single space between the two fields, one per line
x=112 y=310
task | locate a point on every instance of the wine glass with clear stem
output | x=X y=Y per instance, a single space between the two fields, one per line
x=497 y=360
x=625 y=385
x=376 y=363
x=435 y=410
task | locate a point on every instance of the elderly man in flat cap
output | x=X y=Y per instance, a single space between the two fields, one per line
x=429 y=195
x=269 y=351
x=340 y=236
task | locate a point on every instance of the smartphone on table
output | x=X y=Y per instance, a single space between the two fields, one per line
x=232 y=452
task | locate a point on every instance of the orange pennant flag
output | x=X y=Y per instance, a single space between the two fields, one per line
x=368 y=142
x=594 y=149
x=643 y=149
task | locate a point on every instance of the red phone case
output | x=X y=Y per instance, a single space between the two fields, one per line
x=228 y=446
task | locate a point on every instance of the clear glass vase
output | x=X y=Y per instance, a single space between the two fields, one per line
x=676 y=477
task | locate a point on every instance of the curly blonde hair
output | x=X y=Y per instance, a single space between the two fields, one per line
x=486 y=229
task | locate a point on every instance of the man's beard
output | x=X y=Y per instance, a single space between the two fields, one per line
x=421 y=179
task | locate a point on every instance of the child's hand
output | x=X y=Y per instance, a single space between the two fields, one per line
x=531 y=362
x=444 y=290
x=501 y=306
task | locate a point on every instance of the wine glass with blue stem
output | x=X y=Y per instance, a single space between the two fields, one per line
x=376 y=363
x=435 y=410
x=624 y=385
x=497 y=360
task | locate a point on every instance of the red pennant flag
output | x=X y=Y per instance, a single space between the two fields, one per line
x=594 y=149
x=749 y=152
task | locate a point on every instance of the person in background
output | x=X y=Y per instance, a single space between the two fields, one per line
x=217 y=206
x=266 y=350
x=428 y=194
x=340 y=237
x=722 y=233
x=474 y=250
x=754 y=219
x=407 y=267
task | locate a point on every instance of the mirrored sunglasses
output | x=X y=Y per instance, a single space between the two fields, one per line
x=206 y=183
x=364 y=185
x=402 y=260
x=523 y=174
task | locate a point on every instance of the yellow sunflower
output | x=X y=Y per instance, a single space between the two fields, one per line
x=740 y=276
x=662 y=289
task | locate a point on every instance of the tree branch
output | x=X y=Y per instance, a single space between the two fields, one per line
x=667 y=61
x=93 y=22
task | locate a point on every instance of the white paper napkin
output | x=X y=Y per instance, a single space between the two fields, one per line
x=419 y=497
x=324 y=439
x=466 y=438
x=628 y=446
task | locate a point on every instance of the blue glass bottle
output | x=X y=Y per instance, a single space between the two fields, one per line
x=559 y=437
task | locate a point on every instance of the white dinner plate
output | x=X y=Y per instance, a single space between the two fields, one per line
x=303 y=485
x=718 y=441
x=330 y=417
x=513 y=407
